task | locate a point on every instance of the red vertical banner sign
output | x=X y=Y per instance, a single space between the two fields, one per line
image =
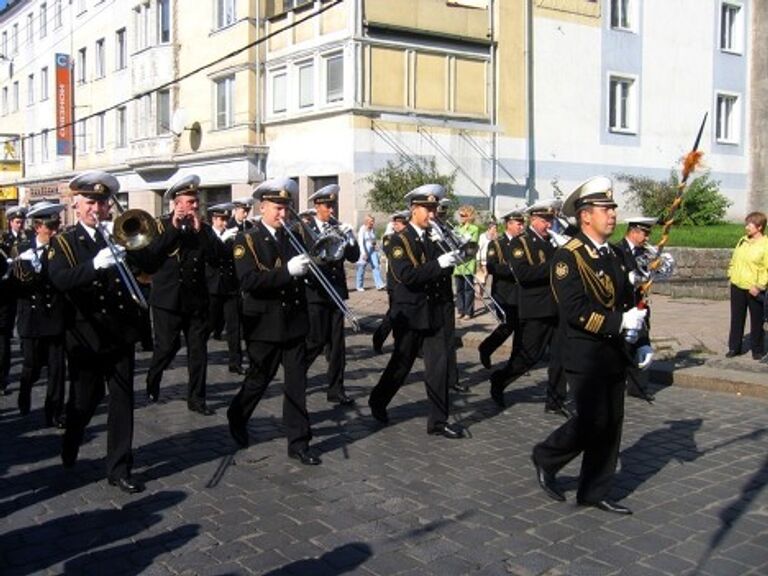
x=63 y=105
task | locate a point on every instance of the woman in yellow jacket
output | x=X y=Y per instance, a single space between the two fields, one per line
x=748 y=274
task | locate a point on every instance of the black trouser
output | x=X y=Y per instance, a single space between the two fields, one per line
x=407 y=344
x=530 y=343
x=326 y=328
x=449 y=330
x=595 y=430
x=6 y=335
x=265 y=358
x=37 y=352
x=741 y=300
x=224 y=310
x=89 y=372
x=501 y=333
x=168 y=328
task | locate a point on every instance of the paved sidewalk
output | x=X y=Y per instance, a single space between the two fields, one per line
x=387 y=500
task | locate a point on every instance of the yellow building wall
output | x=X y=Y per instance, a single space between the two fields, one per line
x=471 y=83
x=511 y=68
x=429 y=16
x=431 y=83
x=581 y=11
x=334 y=20
x=388 y=87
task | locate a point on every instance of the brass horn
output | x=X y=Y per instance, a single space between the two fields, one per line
x=134 y=229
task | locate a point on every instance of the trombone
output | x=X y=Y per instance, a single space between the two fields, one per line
x=299 y=248
x=467 y=251
x=133 y=230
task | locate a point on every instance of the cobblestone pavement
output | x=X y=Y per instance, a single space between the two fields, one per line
x=386 y=500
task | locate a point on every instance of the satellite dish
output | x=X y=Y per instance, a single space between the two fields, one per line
x=179 y=122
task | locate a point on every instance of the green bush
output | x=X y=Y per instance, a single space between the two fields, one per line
x=703 y=204
x=391 y=183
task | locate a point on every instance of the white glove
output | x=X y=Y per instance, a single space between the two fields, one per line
x=106 y=258
x=637 y=278
x=298 y=265
x=449 y=259
x=644 y=356
x=28 y=255
x=633 y=319
x=435 y=234
x=228 y=234
x=345 y=228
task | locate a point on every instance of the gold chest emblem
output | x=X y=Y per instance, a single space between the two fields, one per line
x=561 y=270
x=518 y=253
x=239 y=251
x=397 y=252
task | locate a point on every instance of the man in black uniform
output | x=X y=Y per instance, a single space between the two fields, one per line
x=10 y=239
x=504 y=287
x=326 y=321
x=275 y=321
x=239 y=219
x=632 y=247
x=594 y=297
x=102 y=328
x=223 y=291
x=398 y=222
x=179 y=296
x=417 y=313
x=531 y=262
x=41 y=315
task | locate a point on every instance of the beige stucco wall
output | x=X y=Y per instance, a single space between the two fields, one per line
x=428 y=16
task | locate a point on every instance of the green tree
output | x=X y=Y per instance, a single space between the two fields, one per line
x=391 y=183
x=703 y=203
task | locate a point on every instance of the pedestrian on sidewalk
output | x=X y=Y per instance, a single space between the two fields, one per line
x=366 y=239
x=748 y=274
x=464 y=273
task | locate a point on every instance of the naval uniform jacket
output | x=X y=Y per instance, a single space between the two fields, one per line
x=333 y=271
x=40 y=305
x=177 y=260
x=531 y=262
x=504 y=288
x=592 y=292
x=274 y=302
x=419 y=282
x=220 y=272
x=630 y=263
x=242 y=226
x=100 y=314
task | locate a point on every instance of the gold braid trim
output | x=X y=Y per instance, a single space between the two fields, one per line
x=409 y=251
x=527 y=250
x=499 y=251
x=601 y=287
x=252 y=248
x=67 y=250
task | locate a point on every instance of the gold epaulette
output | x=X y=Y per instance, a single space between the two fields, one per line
x=66 y=249
x=573 y=244
x=409 y=250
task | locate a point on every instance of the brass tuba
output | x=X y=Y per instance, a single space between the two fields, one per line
x=134 y=229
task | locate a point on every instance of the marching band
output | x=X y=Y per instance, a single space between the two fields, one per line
x=278 y=286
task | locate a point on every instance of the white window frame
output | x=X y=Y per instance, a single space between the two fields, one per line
x=625 y=13
x=4 y=44
x=728 y=117
x=30 y=28
x=44 y=89
x=5 y=101
x=81 y=139
x=31 y=89
x=227 y=83
x=99 y=59
x=16 y=96
x=43 y=20
x=121 y=49
x=15 y=39
x=58 y=20
x=101 y=131
x=629 y=107
x=274 y=75
x=81 y=7
x=81 y=67
x=121 y=127
x=326 y=60
x=307 y=84
x=30 y=149
x=731 y=28
x=163 y=8
x=163 y=127
x=226 y=13
x=44 y=146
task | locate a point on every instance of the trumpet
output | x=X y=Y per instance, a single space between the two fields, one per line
x=133 y=230
x=467 y=250
x=299 y=248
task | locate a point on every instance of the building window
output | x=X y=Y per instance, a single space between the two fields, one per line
x=57 y=19
x=80 y=66
x=44 y=83
x=81 y=142
x=225 y=13
x=43 y=20
x=621 y=105
x=334 y=78
x=44 y=146
x=121 y=50
x=30 y=27
x=731 y=26
x=727 y=119
x=4 y=44
x=5 y=100
x=15 y=38
x=163 y=111
x=30 y=149
x=225 y=93
x=99 y=59
x=141 y=26
x=143 y=109
x=15 y=104
x=163 y=21
x=100 y=131
x=621 y=14
x=30 y=90
x=80 y=6
x=121 y=124
x=279 y=92
x=306 y=85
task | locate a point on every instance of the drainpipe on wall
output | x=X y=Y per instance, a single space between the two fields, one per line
x=530 y=184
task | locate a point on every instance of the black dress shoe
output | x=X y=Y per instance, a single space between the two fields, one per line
x=342 y=399
x=69 y=450
x=460 y=387
x=547 y=482
x=201 y=409
x=558 y=409
x=452 y=431
x=497 y=394
x=239 y=432
x=485 y=359
x=608 y=506
x=305 y=456
x=648 y=396
x=732 y=353
x=152 y=397
x=60 y=422
x=237 y=370
x=757 y=356
x=379 y=414
x=127 y=485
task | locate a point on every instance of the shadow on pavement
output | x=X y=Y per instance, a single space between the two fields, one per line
x=340 y=560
